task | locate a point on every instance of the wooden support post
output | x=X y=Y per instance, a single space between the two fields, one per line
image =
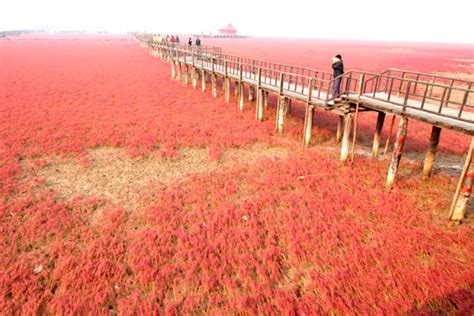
x=309 y=115
x=388 y=137
x=281 y=113
x=259 y=110
x=378 y=134
x=213 y=80
x=203 y=80
x=186 y=74
x=173 y=70
x=179 y=70
x=340 y=126
x=288 y=107
x=397 y=151
x=227 y=90
x=194 y=76
x=431 y=153
x=241 y=91
x=251 y=93
x=346 y=136
x=463 y=189
x=236 y=88
x=266 y=100
x=281 y=108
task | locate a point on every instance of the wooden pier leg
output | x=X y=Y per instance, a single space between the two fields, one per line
x=186 y=74
x=236 y=88
x=259 y=114
x=251 y=93
x=397 y=151
x=179 y=70
x=431 y=153
x=281 y=113
x=267 y=100
x=340 y=126
x=347 y=118
x=194 y=77
x=288 y=107
x=378 y=133
x=214 y=85
x=308 y=124
x=463 y=189
x=241 y=97
x=227 y=90
x=173 y=70
x=203 y=80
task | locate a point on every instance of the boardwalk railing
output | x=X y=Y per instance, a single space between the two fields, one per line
x=403 y=89
x=451 y=101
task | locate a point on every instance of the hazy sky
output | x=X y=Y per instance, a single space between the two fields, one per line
x=405 y=20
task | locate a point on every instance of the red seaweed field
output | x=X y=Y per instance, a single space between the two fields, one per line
x=126 y=192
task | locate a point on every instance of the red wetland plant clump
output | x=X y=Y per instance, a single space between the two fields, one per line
x=290 y=234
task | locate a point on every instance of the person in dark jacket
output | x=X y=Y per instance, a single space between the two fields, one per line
x=190 y=42
x=338 y=70
x=198 y=42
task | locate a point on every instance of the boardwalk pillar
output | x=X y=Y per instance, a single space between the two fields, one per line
x=309 y=115
x=347 y=119
x=251 y=93
x=288 y=108
x=463 y=189
x=340 y=127
x=397 y=151
x=226 y=84
x=194 y=76
x=213 y=80
x=186 y=74
x=377 y=136
x=266 y=99
x=281 y=113
x=236 y=88
x=281 y=107
x=431 y=153
x=203 y=80
x=179 y=70
x=241 y=90
x=173 y=70
x=260 y=92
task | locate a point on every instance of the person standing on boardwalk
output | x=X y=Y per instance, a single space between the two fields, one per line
x=190 y=42
x=198 y=42
x=338 y=71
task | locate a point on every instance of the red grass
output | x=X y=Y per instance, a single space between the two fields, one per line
x=256 y=238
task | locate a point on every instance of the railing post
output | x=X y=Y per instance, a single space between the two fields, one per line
x=405 y=100
x=465 y=98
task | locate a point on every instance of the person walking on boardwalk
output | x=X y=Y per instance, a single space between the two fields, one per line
x=198 y=42
x=190 y=42
x=338 y=71
x=177 y=40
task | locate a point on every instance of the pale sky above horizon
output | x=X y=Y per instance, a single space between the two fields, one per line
x=403 y=20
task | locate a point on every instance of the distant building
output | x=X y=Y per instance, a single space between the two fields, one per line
x=228 y=30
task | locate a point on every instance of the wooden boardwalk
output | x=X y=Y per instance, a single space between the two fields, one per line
x=441 y=102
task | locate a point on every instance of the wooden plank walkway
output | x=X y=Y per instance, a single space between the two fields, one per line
x=441 y=102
